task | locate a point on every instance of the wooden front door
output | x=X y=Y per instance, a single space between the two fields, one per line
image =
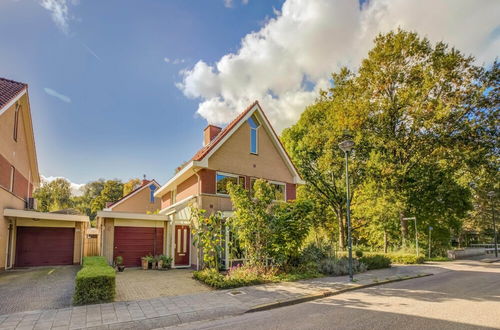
x=181 y=245
x=44 y=246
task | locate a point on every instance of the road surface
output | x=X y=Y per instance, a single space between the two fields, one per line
x=462 y=295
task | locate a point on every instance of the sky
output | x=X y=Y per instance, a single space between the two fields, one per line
x=120 y=88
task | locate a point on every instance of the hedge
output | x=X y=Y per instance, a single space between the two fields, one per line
x=400 y=258
x=95 y=282
x=375 y=261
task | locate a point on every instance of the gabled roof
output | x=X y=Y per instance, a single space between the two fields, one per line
x=146 y=183
x=10 y=92
x=9 y=89
x=201 y=157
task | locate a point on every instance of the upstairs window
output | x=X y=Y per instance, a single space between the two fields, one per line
x=222 y=179
x=254 y=124
x=279 y=189
x=16 y=123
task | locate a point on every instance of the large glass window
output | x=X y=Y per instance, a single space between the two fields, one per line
x=279 y=191
x=222 y=180
x=254 y=124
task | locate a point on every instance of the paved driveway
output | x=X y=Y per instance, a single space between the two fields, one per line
x=138 y=284
x=37 y=288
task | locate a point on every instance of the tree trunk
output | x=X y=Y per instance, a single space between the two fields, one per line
x=385 y=241
x=342 y=239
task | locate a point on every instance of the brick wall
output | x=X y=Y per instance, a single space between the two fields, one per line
x=20 y=185
x=291 y=191
x=20 y=182
x=4 y=173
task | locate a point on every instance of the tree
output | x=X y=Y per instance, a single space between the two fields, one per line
x=413 y=109
x=207 y=235
x=112 y=191
x=54 y=195
x=131 y=185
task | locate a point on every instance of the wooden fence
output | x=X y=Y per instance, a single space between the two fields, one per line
x=91 y=246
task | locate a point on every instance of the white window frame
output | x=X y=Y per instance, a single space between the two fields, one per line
x=226 y=174
x=281 y=184
x=256 y=135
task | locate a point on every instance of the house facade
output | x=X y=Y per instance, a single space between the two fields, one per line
x=28 y=238
x=245 y=150
x=131 y=227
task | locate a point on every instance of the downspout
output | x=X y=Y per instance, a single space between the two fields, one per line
x=198 y=200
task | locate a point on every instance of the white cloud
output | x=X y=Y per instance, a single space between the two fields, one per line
x=228 y=3
x=55 y=94
x=245 y=2
x=174 y=61
x=290 y=58
x=59 y=12
x=76 y=188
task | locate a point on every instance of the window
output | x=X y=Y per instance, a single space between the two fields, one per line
x=254 y=124
x=279 y=191
x=16 y=123
x=12 y=172
x=222 y=179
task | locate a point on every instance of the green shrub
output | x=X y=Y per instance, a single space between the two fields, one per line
x=95 y=282
x=405 y=258
x=376 y=261
x=359 y=253
x=340 y=266
x=313 y=253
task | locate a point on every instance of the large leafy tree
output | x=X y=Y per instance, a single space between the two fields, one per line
x=54 y=195
x=415 y=112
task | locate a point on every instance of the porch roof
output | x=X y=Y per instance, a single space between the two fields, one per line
x=133 y=216
x=44 y=215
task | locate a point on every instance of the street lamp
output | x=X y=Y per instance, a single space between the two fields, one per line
x=491 y=194
x=346 y=147
x=416 y=232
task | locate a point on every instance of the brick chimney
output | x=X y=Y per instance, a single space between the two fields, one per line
x=209 y=133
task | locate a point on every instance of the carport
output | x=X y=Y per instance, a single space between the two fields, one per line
x=44 y=239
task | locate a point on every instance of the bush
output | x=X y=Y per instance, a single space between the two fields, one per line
x=405 y=258
x=376 y=261
x=313 y=253
x=359 y=253
x=95 y=282
x=340 y=266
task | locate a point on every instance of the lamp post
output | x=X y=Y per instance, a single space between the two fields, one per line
x=430 y=233
x=346 y=146
x=491 y=194
x=416 y=232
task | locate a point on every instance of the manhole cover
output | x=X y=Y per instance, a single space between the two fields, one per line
x=235 y=292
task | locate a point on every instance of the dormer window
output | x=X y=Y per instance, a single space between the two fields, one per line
x=254 y=124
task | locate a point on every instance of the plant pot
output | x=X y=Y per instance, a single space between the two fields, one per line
x=121 y=268
x=145 y=264
x=160 y=264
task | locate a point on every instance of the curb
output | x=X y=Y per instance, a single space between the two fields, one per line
x=490 y=261
x=324 y=294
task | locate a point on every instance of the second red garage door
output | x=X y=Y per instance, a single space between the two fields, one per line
x=132 y=243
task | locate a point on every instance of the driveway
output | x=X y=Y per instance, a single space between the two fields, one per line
x=37 y=288
x=138 y=284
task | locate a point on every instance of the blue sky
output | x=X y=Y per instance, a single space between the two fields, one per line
x=119 y=114
x=123 y=88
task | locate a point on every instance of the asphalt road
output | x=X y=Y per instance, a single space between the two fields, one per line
x=462 y=295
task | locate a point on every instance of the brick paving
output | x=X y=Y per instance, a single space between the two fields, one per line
x=37 y=288
x=138 y=284
x=173 y=310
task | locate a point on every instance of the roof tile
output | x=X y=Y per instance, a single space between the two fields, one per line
x=9 y=89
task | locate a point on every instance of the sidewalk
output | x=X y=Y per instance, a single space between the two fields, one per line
x=168 y=311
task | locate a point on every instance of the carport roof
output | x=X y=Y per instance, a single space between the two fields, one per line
x=132 y=216
x=44 y=215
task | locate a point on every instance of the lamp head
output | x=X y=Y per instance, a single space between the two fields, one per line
x=346 y=145
x=491 y=194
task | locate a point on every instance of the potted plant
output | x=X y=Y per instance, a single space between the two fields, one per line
x=166 y=262
x=119 y=263
x=145 y=262
x=159 y=262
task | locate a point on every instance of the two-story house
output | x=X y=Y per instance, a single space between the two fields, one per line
x=245 y=150
x=28 y=238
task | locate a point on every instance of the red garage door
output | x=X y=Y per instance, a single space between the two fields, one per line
x=44 y=246
x=132 y=243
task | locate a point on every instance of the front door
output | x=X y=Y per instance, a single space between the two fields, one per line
x=181 y=245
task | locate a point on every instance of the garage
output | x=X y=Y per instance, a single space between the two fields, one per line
x=132 y=235
x=132 y=243
x=44 y=238
x=42 y=246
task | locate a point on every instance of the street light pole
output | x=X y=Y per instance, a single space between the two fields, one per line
x=430 y=233
x=347 y=146
x=491 y=194
x=416 y=232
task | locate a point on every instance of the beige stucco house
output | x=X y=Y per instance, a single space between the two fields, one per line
x=131 y=227
x=245 y=150
x=28 y=238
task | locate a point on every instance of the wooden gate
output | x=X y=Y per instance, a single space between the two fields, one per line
x=91 y=246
